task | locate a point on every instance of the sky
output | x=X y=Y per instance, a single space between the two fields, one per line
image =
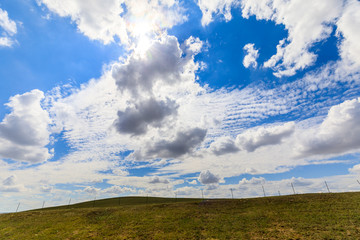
x=169 y=98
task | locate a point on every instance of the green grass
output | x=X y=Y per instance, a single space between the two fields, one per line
x=310 y=216
x=124 y=201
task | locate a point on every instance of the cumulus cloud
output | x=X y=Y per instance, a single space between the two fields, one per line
x=97 y=20
x=124 y=19
x=167 y=69
x=209 y=8
x=252 y=181
x=347 y=27
x=162 y=63
x=251 y=140
x=117 y=190
x=91 y=190
x=223 y=145
x=251 y=55
x=135 y=121
x=206 y=177
x=355 y=169
x=184 y=142
x=156 y=180
x=24 y=132
x=9 y=29
x=337 y=134
x=306 y=22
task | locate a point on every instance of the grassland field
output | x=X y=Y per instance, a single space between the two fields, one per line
x=307 y=216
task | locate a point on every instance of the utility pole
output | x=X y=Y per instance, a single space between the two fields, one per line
x=327 y=187
x=94 y=201
x=279 y=193
x=232 y=195
x=69 y=202
x=293 y=188
x=263 y=190
x=43 y=204
x=202 y=193
x=17 y=207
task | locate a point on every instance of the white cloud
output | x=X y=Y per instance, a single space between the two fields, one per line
x=188 y=192
x=10 y=185
x=347 y=26
x=156 y=180
x=355 y=169
x=306 y=22
x=251 y=55
x=115 y=190
x=185 y=142
x=252 y=181
x=6 y=42
x=223 y=145
x=124 y=19
x=338 y=133
x=206 y=177
x=209 y=8
x=24 y=132
x=250 y=140
x=97 y=20
x=46 y=188
x=91 y=190
x=168 y=69
x=10 y=181
x=193 y=182
x=253 y=186
x=302 y=182
x=7 y=24
x=163 y=64
x=9 y=29
x=136 y=120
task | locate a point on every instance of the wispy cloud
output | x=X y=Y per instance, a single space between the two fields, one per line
x=9 y=29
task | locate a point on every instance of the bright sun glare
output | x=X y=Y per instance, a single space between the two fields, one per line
x=142 y=31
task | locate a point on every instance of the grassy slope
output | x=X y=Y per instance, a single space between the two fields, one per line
x=311 y=216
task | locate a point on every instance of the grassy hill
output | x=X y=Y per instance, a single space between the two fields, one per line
x=124 y=201
x=309 y=216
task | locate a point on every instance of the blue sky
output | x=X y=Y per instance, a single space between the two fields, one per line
x=116 y=98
